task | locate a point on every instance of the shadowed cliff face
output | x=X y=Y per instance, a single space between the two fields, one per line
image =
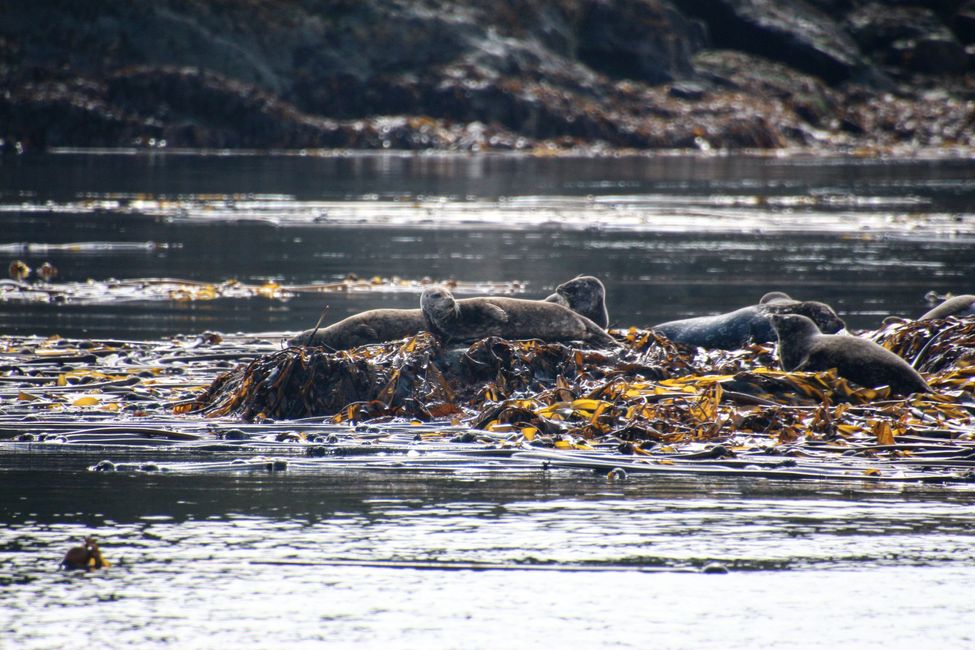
x=503 y=75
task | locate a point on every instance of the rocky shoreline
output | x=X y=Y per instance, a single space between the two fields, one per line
x=593 y=75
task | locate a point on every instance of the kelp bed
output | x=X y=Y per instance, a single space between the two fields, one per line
x=96 y=292
x=649 y=407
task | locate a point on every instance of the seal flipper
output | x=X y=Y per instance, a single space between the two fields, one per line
x=495 y=313
x=364 y=334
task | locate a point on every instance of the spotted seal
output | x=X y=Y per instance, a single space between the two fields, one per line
x=736 y=329
x=471 y=319
x=959 y=307
x=803 y=347
x=365 y=328
x=584 y=295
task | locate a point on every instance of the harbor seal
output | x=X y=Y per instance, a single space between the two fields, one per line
x=959 y=307
x=471 y=319
x=736 y=329
x=584 y=295
x=803 y=347
x=365 y=328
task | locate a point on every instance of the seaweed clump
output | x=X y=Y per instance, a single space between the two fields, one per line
x=648 y=392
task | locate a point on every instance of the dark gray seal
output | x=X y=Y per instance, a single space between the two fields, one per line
x=803 y=347
x=368 y=327
x=959 y=307
x=584 y=295
x=471 y=319
x=736 y=329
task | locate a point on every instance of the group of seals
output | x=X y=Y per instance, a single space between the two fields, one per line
x=583 y=295
x=736 y=329
x=805 y=330
x=803 y=347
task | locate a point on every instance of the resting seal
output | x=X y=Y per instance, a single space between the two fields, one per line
x=735 y=329
x=959 y=306
x=584 y=295
x=373 y=326
x=803 y=347
x=471 y=319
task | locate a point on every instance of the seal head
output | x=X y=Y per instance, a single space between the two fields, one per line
x=803 y=347
x=584 y=295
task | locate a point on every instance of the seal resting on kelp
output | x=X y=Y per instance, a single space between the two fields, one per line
x=365 y=328
x=471 y=319
x=959 y=307
x=584 y=295
x=803 y=347
x=735 y=329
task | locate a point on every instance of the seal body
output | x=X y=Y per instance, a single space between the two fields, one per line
x=959 y=307
x=803 y=347
x=471 y=319
x=368 y=327
x=584 y=295
x=736 y=329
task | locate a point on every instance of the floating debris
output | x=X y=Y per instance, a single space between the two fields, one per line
x=86 y=557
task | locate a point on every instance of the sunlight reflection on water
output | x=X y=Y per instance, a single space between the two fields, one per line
x=203 y=574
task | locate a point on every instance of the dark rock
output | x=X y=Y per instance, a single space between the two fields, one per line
x=930 y=54
x=793 y=33
x=638 y=39
x=910 y=38
x=963 y=22
x=511 y=74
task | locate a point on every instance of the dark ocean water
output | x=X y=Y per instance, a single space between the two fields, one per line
x=243 y=558
x=671 y=237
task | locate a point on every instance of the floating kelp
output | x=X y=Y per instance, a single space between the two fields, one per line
x=650 y=390
x=648 y=407
x=97 y=292
x=931 y=345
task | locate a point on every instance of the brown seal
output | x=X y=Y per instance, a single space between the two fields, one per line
x=959 y=307
x=803 y=347
x=373 y=326
x=584 y=295
x=471 y=319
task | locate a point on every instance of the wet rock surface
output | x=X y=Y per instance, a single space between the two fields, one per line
x=497 y=76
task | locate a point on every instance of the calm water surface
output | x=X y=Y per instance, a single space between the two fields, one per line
x=241 y=559
x=670 y=236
